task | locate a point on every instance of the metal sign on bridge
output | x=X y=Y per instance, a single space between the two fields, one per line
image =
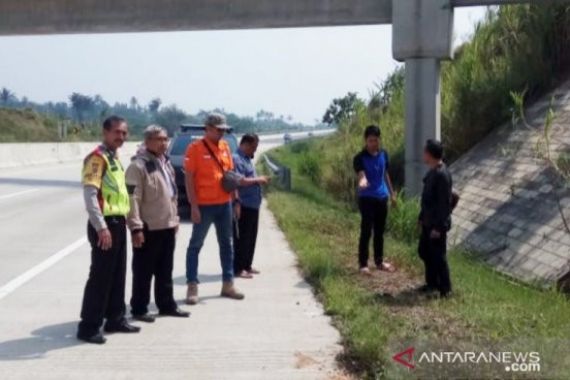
x=422 y=36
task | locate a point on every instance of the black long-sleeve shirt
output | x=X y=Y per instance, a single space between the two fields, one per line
x=436 y=199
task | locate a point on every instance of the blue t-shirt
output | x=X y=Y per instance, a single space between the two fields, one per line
x=375 y=168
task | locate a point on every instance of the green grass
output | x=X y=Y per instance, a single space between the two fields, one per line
x=25 y=125
x=488 y=309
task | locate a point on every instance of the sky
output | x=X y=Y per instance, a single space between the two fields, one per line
x=294 y=72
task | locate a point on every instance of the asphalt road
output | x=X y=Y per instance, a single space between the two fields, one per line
x=278 y=332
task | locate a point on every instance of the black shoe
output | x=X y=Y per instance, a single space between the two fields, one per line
x=144 y=318
x=426 y=289
x=93 y=339
x=123 y=327
x=175 y=313
x=445 y=295
x=439 y=295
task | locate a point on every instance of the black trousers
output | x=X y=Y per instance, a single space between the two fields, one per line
x=104 y=295
x=433 y=252
x=245 y=237
x=373 y=212
x=154 y=258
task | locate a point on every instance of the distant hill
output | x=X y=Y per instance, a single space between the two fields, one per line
x=26 y=125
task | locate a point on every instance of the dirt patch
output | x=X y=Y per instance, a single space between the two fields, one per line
x=304 y=361
x=397 y=293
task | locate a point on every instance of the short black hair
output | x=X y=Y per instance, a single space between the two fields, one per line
x=372 y=130
x=112 y=120
x=434 y=148
x=249 y=138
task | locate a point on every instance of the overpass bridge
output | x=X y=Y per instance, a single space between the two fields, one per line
x=422 y=36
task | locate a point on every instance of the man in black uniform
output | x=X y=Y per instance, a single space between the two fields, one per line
x=107 y=203
x=435 y=220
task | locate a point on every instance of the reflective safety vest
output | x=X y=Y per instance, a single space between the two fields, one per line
x=113 y=194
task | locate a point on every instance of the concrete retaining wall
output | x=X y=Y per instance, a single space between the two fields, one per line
x=514 y=207
x=25 y=154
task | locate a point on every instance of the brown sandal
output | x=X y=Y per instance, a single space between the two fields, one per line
x=386 y=267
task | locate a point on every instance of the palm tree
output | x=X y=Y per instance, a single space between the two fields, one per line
x=134 y=103
x=6 y=96
x=154 y=105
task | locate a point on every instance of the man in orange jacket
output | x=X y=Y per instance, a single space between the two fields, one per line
x=205 y=163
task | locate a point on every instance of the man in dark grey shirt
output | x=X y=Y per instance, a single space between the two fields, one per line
x=435 y=220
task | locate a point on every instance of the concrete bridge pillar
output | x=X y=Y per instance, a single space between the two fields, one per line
x=422 y=97
x=422 y=37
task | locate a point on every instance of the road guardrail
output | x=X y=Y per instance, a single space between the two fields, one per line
x=282 y=174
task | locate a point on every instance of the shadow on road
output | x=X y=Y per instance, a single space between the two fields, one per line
x=303 y=285
x=42 y=341
x=38 y=182
x=203 y=278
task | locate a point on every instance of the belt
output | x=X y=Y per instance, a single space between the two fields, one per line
x=116 y=219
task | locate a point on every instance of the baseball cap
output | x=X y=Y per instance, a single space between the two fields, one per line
x=216 y=120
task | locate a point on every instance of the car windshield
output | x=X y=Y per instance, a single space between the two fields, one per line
x=181 y=142
x=232 y=142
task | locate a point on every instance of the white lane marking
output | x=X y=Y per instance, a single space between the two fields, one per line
x=44 y=265
x=7 y=196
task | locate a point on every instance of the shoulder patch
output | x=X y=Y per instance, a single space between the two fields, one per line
x=93 y=171
x=150 y=167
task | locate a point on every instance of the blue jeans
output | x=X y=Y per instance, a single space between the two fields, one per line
x=221 y=216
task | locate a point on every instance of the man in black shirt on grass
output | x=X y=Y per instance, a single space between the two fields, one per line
x=435 y=220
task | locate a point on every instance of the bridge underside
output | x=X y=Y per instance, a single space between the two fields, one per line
x=29 y=17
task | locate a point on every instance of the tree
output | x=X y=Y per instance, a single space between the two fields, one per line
x=61 y=109
x=341 y=108
x=134 y=103
x=81 y=105
x=7 y=97
x=171 y=118
x=385 y=91
x=88 y=111
x=154 y=105
x=100 y=108
x=264 y=115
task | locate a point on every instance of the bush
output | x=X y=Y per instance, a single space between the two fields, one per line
x=518 y=48
x=309 y=166
x=403 y=220
x=300 y=146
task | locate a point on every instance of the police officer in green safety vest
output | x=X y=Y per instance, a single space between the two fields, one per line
x=107 y=203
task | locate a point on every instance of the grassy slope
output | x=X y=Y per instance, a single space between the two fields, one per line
x=18 y=125
x=519 y=49
x=377 y=316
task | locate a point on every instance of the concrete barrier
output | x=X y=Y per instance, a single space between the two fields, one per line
x=26 y=154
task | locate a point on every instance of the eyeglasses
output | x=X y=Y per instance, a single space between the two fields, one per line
x=161 y=139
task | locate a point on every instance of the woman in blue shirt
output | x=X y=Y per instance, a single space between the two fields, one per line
x=374 y=190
